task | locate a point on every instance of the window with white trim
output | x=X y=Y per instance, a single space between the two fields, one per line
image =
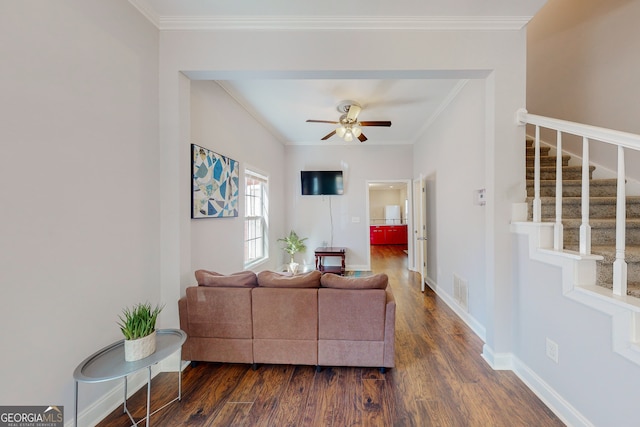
x=256 y=217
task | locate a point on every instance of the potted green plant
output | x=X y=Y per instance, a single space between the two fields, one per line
x=138 y=325
x=292 y=245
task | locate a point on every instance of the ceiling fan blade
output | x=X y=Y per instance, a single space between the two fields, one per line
x=322 y=121
x=362 y=138
x=385 y=123
x=353 y=112
x=329 y=135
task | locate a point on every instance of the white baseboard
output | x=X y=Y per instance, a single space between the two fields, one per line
x=552 y=399
x=507 y=361
x=497 y=361
x=563 y=409
x=477 y=328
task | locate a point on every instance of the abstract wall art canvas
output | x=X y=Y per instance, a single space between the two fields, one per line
x=215 y=180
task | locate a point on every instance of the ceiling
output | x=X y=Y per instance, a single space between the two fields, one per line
x=283 y=105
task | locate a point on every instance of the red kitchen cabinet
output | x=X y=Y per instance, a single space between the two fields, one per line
x=377 y=235
x=388 y=234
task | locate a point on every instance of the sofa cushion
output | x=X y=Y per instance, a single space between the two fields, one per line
x=288 y=314
x=377 y=281
x=270 y=279
x=219 y=312
x=242 y=279
x=351 y=314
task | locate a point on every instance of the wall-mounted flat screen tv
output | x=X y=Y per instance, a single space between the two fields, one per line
x=315 y=183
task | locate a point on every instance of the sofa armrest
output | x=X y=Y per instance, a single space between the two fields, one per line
x=183 y=312
x=390 y=330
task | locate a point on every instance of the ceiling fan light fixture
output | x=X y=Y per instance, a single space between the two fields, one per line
x=348 y=136
x=348 y=131
x=348 y=126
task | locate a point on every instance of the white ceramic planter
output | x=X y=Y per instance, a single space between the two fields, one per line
x=293 y=267
x=140 y=348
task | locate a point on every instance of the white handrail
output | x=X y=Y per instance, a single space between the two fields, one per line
x=620 y=139
x=624 y=139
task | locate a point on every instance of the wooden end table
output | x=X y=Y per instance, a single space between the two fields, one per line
x=328 y=251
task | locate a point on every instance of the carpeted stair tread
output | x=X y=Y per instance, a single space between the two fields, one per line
x=599 y=207
x=578 y=182
x=632 y=252
x=564 y=168
x=573 y=187
x=633 y=288
x=547 y=160
x=593 y=200
x=568 y=172
x=544 y=151
x=633 y=223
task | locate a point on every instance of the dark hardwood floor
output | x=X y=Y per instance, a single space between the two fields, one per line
x=440 y=379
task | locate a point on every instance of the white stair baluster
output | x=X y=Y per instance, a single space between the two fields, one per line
x=585 y=228
x=620 y=265
x=558 y=230
x=537 y=203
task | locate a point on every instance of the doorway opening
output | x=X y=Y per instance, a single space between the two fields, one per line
x=389 y=215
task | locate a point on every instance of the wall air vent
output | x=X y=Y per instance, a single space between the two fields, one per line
x=461 y=292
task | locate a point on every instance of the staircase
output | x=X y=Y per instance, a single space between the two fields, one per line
x=602 y=212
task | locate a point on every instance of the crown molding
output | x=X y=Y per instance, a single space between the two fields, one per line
x=333 y=23
x=147 y=11
x=329 y=23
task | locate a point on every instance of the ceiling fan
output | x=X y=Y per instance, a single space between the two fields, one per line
x=348 y=125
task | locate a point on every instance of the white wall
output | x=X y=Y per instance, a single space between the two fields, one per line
x=79 y=168
x=220 y=124
x=583 y=66
x=589 y=380
x=312 y=216
x=449 y=156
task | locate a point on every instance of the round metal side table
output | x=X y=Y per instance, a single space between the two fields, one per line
x=109 y=364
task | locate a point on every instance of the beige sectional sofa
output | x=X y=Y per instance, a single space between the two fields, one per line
x=273 y=318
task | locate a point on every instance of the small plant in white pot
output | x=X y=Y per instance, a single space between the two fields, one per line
x=292 y=245
x=138 y=325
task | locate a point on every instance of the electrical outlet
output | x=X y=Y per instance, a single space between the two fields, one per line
x=552 y=350
x=481 y=197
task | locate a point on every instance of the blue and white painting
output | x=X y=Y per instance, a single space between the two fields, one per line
x=215 y=181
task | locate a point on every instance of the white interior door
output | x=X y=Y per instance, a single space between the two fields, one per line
x=420 y=228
